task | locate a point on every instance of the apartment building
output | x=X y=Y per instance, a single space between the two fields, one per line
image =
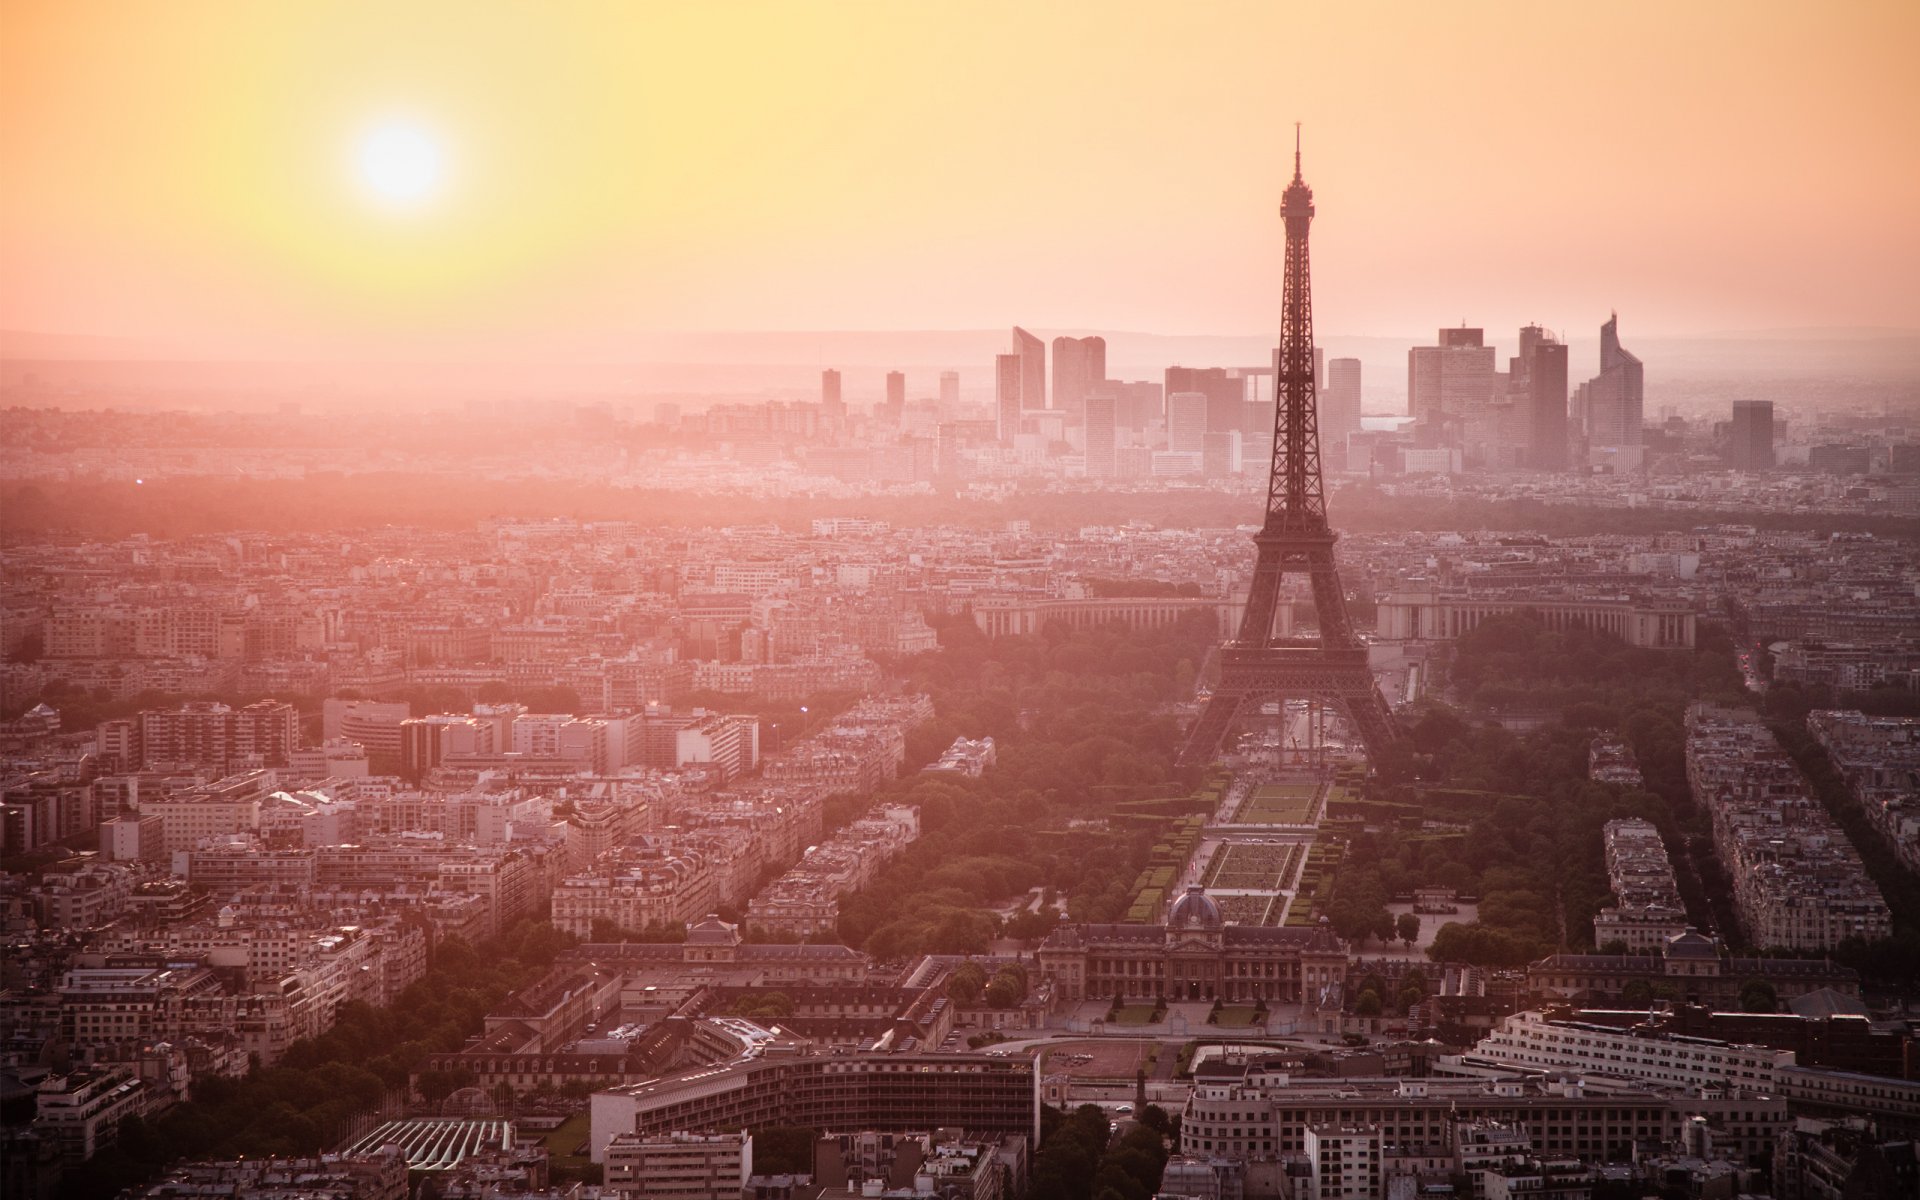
x=1797 y=881
x=679 y=1166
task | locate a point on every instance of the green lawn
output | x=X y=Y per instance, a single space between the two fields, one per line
x=1278 y=804
x=1135 y=1014
x=1235 y=1016
x=569 y=1145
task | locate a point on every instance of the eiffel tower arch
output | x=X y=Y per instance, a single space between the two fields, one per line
x=1257 y=668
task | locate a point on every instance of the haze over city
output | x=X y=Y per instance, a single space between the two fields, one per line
x=613 y=601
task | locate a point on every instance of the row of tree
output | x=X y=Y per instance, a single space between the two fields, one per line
x=969 y=985
x=1082 y=1158
x=335 y=500
x=1080 y=725
x=1511 y=818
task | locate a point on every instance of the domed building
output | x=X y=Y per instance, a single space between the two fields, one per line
x=1195 y=912
x=1195 y=955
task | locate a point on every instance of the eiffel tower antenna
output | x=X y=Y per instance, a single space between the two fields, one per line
x=1256 y=667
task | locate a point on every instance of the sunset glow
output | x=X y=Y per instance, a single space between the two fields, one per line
x=400 y=164
x=574 y=173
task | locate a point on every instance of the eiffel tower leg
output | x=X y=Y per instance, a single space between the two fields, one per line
x=1370 y=717
x=1329 y=599
x=1263 y=594
x=1205 y=736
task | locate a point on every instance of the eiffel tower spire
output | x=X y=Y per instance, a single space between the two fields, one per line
x=1256 y=667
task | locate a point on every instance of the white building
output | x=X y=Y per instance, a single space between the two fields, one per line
x=679 y=1166
x=1344 y=1161
x=1535 y=1040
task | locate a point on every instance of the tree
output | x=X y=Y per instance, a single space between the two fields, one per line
x=764 y=1006
x=29 y=648
x=1637 y=993
x=1614 y=946
x=1407 y=925
x=1480 y=946
x=783 y=1150
x=1759 y=996
x=436 y=1086
x=1368 y=1005
x=966 y=983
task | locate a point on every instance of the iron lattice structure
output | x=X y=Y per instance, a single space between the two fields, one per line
x=1257 y=668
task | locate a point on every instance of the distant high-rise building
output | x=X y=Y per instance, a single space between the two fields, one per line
x=1340 y=404
x=1187 y=422
x=949 y=392
x=1616 y=398
x=1100 y=436
x=1448 y=381
x=830 y=393
x=1032 y=353
x=896 y=402
x=1135 y=403
x=1226 y=394
x=1006 y=396
x=667 y=413
x=1541 y=370
x=1838 y=458
x=1079 y=367
x=1752 y=445
x=1220 y=453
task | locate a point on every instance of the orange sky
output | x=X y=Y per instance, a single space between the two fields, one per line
x=182 y=172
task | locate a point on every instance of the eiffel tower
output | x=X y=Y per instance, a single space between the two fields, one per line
x=1256 y=667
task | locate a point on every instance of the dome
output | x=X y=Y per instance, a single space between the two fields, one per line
x=1195 y=910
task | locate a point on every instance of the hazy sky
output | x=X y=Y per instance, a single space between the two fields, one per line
x=542 y=179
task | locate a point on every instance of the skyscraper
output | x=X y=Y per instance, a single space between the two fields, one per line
x=1135 y=403
x=1616 y=399
x=1079 y=366
x=1340 y=405
x=1226 y=394
x=1220 y=453
x=896 y=401
x=1448 y=381
x=1006 y=396
x=1100 y=436
x=949 y=392
x=1752 y=445
x=830 y=394
x=1542 y=365
x=1032 y=353
x=1187 y=422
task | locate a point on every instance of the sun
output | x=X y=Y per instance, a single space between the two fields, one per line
x=400 y=164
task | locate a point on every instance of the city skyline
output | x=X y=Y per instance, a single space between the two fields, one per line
x=332 y=185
